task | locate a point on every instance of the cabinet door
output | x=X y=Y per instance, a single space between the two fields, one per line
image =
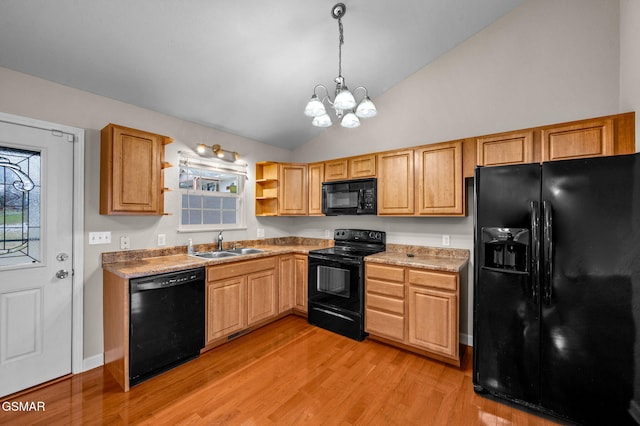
x=440 y=180
x=505 y=148
x=336 y=170
x=292 y=199
x=316 y=177
x=262 y=296
x=362 y=166
x=593 y=138
x=395 y=183
x=226 y=304
x=433 y=320
x=131 y=171
x=301 y=268
x=286 y=278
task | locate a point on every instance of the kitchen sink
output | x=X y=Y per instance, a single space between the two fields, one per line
x=244 y=250
x=227 y=253
x=215 y=254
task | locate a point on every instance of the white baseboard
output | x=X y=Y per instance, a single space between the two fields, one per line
x=92 y=362
x=466 y=339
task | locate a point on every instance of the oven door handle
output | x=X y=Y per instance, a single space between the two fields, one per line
x=340 y=260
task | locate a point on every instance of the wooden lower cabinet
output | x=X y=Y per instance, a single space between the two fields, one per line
x=385 y=301
x=301 y=270
x=240 y=295
x=417 y=309
x=226 y=307
x=286 y=282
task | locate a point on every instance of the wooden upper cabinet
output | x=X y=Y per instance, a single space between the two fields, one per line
x=316 y=177
x=293 y=190
x=440 y=181
x=505 y=148
x=359 y=167
x=593 y=138
x=362 y=166
x=131 y=171
x=396 y=183
x=336 y=169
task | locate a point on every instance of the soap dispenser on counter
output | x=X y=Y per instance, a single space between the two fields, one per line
x=190 y=246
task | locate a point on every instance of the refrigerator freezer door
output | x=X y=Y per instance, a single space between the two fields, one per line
x=506 y=303
x=590 y=323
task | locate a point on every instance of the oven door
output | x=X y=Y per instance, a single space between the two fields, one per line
x=336 y=283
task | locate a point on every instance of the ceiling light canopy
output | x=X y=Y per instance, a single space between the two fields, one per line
x=347 y=110
x=211 y=150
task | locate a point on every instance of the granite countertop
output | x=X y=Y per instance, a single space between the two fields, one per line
x=140 y=263
x=439 y=259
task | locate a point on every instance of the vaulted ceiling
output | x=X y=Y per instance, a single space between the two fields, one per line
x=247 y=67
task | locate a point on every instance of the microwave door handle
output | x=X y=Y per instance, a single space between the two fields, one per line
x=361 y=199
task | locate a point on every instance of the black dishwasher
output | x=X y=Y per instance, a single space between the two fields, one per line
x=166 y=322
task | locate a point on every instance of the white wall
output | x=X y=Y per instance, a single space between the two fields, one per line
x=546 y=62
x=630 y=60
x=24 y=95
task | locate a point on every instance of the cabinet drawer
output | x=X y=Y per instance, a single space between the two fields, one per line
x=233 y=269
x=447 y=281
x=385 y=288
x=385 y=324
x=385 y=272
x=388 y=304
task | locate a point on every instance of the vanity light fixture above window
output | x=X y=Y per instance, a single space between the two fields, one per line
x=216 y=150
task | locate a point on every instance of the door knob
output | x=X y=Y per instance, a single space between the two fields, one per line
x=62 y=273
x=62 y=257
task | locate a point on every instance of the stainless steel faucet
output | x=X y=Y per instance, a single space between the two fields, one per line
x=220 y=240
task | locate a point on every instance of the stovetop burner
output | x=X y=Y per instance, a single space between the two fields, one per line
x=354 y=243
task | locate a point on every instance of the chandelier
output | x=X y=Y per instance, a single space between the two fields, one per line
x=346 y=108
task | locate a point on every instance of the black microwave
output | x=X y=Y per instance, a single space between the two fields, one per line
x=349 y=197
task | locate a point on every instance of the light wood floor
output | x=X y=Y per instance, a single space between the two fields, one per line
x=286 y=373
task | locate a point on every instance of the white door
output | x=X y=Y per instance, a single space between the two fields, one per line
x=36 y=214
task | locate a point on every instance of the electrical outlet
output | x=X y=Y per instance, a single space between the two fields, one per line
x=260 y=232
x=99 y=238
x=125 y=243
x=162 y=239
x=446 y=240
x=327 y=233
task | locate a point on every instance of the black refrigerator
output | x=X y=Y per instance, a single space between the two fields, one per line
x=556 y=317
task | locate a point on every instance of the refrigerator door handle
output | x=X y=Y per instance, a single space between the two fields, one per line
x=548 y=252
x=534 y=207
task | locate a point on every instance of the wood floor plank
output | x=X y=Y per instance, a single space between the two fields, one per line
x=286 y=373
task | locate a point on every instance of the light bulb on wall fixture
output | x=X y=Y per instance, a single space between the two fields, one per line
x=217 y=151
x=345 y=102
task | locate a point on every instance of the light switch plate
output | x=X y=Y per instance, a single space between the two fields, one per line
x=260 y=232
x=99 y=238
x=162 y=239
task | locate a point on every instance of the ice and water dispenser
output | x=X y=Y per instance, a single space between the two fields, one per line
x=506 y=248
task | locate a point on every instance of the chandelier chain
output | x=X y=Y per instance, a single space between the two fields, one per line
x=340 y=43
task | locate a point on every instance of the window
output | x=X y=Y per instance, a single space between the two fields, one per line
x=19 y=207
x=212 y=194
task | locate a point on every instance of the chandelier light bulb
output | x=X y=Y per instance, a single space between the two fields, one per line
x=366 y=108
x=322 y=120
x=344 y=100
x=314 y=107
x=350 y=121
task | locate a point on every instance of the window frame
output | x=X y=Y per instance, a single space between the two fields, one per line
x=219 y=166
